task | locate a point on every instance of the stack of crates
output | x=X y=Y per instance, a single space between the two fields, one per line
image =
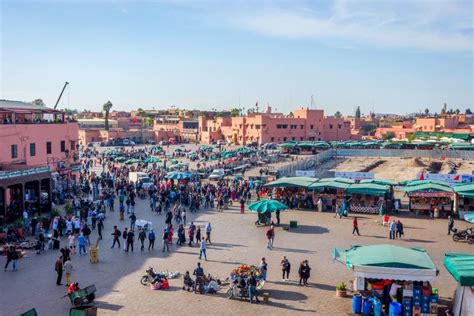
x=407 y=306
x=425 y=299
x=417 y=296
x=434 y=303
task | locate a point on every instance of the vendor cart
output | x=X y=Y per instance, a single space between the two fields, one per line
x=143 y=224
x=83 y=296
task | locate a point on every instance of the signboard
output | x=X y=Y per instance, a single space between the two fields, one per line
x=431 y=194
x=21 y=173
x=354 y=175
x=448 y=178
x=306 y=173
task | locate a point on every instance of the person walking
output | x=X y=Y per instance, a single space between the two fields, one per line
x=142 y=238
x=191 y=234
x=82 y=244
x=450 y=225
x=355 y=226
x=58 y=267
x=269 y=235
x=166 y=245
x=133 y=219
x=393 y=229
x=100 y=227
x=264 y=268
x=130 y=237
x=124 y=236
x=202 y=249
x=198 y=234
x=304 y=272
x=116 y=234
x=399 y=232
x=151 y=240
x=208 y=232
x=285 y=268
x=252 y=285
x=242 y=205
x=68 y=270
x=10 y=257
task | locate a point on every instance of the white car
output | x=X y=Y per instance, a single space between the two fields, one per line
x=217 y=174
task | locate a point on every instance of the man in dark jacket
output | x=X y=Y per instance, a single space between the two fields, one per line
x=116 y=235
x=59 y=270
x=130 y=237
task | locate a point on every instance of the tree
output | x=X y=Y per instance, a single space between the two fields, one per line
x=458 y=111
x=468 y=111
x=234 y=112
x=357 y=112
x=291 y=114
x=388 y=136
x=368 y=128
x=106 y=107
x=338 y=114
x=38 y=102
x=140 y=112
x=427 y=111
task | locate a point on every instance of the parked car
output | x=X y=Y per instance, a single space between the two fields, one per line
x=217 y=174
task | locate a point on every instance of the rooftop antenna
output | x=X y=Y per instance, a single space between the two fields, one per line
x=62 y=91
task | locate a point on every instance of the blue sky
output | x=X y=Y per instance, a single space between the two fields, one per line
x=388 y=56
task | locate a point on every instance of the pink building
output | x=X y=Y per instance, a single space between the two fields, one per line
x=35 y=141
x=261 y=128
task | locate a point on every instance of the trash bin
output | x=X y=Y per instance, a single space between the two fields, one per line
x=94 y=254
x=86 y=310
x=293 y=224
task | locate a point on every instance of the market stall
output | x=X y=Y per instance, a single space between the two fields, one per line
x=461 y=267
x=429 y=196
x=291 y=187
x=464 y=201
x=368 y=198
x=328 y=192
x=392 y=277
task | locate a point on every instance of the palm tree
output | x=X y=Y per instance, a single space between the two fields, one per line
x=106 y=107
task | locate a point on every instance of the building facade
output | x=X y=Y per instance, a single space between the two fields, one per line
x=261 y=128
x=36 y=141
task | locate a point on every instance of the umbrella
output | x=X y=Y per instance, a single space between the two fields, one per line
x=120 y=159
x=178 y=175
x=152 y=160
x=132 y=161
x=267 y=206
x=469 y=217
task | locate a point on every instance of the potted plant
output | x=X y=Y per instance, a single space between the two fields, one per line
x=341 y=290
x=68 y=208
x=55 y=212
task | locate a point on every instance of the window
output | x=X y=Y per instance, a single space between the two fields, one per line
x=330 y=126
x=272 y=139
x=14 y=151
x=73 y=145
x=301 y=126
x=311 y=126
x=48 y=148
x=301 y=138
x=257 y=126
x=282 y=126
x=292 y=138
x=293 y=126
x=32 y=149
x=284 y=139
x=63 y=146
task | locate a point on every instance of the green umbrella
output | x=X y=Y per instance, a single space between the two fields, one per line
x=267 y=206
x=152 y=160
x=132 y=161
x=120 y=159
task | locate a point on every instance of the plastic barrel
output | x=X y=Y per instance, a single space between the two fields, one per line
x=395 y=309
x=367 y=306
x=377 y=307
x=357 y=304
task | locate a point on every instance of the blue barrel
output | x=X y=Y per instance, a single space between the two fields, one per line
x=367 y=306
x=357 y=304
x=377 y=307
x=395 y=309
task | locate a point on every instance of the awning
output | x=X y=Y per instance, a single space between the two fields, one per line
x=461 y=267
x=388 y=262
x=465 y=190
x=289 y=182
x=331 y=183
x=368 y=189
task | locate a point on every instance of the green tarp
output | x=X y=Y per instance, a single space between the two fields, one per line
x=465 y=190
x=461 y=267
x=295 y=182
x=331 y=183
x=386 y=256
x=428 y=187
x=382 y=182
x=368 y=189
x=440 y=135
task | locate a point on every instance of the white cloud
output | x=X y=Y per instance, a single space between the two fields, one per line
x=442 y=26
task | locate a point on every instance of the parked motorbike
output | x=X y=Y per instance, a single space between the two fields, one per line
x=464 y=235
x=152 y=277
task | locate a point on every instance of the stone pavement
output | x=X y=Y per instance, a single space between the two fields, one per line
x=235 y=240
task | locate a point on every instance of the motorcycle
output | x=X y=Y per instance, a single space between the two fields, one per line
x=464 y=235
x=152 y=277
